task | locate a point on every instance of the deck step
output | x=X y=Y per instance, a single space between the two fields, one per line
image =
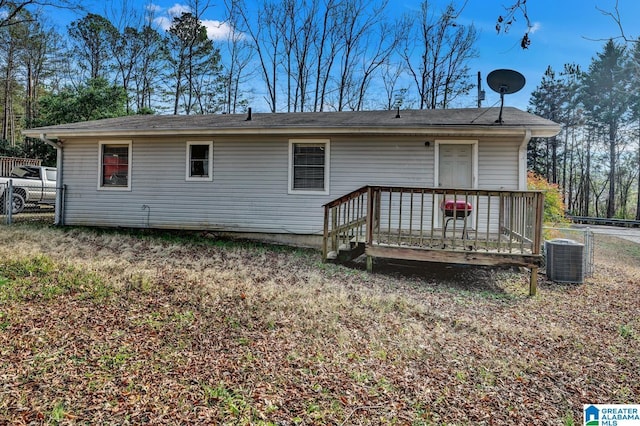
x=346 y=252
x=350 y=252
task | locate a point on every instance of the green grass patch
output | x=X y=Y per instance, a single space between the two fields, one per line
x=4 y=320
x=230 y=401
x=618 y=248
x=58 y=413
x=41 y=278
x=626 y=331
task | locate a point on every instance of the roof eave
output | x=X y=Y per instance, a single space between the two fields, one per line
x=495 y=130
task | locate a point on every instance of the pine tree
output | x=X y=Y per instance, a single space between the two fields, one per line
x=605 y=97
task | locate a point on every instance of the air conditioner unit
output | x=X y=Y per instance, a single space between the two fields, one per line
x=565 y=260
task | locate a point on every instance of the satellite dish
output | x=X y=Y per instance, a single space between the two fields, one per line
x=505 y=82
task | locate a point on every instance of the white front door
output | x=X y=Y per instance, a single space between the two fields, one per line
x=455 y=166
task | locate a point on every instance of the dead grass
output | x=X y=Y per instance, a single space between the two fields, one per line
x=109 y=328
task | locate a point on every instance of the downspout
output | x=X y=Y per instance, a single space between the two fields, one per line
x=59 y=215
x=522 y=161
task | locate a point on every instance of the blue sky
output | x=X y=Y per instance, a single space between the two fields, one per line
x=565 y=31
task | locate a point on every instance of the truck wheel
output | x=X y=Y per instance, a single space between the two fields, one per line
x=17 y=203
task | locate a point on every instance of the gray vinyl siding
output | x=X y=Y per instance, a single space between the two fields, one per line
x=498 y=164
x=497 y=169
x=249 y=191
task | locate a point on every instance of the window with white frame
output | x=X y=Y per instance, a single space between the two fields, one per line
x=115 y=165
x=309 y=166
x=199 y=161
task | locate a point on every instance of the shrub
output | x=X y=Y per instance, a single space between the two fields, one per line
x=554 y=207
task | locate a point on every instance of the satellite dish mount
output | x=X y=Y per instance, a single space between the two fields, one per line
x=505 y=82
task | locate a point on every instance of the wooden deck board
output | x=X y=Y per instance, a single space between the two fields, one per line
x=453 y=256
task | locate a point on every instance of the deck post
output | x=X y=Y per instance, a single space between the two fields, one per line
x=334 y=227
x=533 y=283
x=370 y=214
x=371 y=207
x=325 y=237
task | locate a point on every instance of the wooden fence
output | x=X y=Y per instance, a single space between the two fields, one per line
x=8 y=163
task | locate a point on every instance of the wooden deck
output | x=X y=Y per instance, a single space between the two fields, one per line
x=490 y=228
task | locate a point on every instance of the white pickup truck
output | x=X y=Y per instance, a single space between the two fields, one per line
x=31 y=185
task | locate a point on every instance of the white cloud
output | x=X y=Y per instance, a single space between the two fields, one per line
x=178 y=9
x=153 y=8
x=163 y=22
x=535 y=27
x=217 y=30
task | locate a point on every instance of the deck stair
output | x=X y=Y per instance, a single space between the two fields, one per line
x=346 y=252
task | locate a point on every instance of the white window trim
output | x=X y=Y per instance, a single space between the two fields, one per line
x=100 y=161
x=327 y=156
x=188 y=162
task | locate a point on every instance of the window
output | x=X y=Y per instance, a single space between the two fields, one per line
x=52 y=174
x=309 y=166
x=115 y=162
x=200 y=161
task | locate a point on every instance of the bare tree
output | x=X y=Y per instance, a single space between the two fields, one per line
x=518 y=9
x=240 y=54
x=299 y=33
x=505 y=21
x=380 y=46
x=616 y=16
x=266 y=39
x=357 y=21
x=394 y=96
x=326 y=47
x=436 y=55
x=318 y=52
x=14 y=11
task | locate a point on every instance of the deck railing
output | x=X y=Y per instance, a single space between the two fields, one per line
x=476 y=220
x=8 y=163
x=345 y=222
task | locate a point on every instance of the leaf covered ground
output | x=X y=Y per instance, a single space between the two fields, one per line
x=103 y=327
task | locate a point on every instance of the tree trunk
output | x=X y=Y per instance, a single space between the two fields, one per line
x=7 y=92
x=587 y=178
x=611 y=203
x=638 y=192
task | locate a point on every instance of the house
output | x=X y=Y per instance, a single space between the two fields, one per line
x=269 y=175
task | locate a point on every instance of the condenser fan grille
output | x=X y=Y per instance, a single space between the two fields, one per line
x=565 y=260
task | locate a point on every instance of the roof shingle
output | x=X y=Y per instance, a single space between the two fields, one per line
x=476 y=119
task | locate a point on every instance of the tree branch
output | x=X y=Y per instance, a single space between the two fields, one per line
x=504 y=22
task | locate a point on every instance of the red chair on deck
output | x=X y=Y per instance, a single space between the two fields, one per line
x=456 y=210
